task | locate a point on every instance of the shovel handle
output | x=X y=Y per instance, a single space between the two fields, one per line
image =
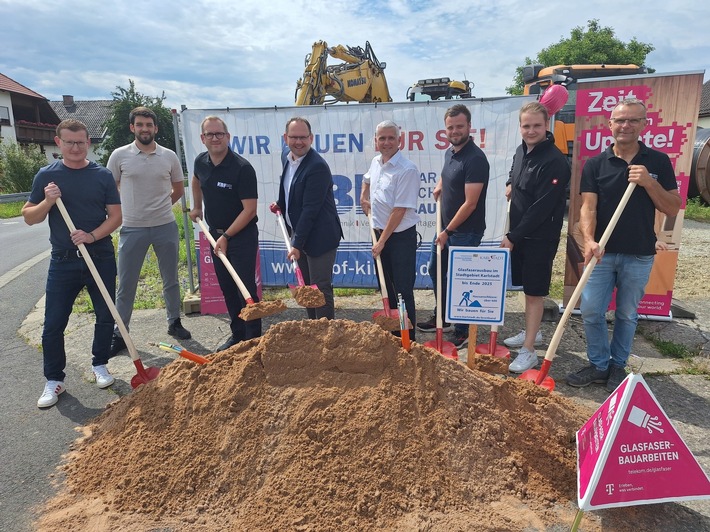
x=380 y=271
x=172 y=348
x=242 y=288
x=555 y=342
x=287 y=240
x=439 y=317
x=100 y=283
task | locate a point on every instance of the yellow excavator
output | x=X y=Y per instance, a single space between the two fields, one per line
x=359 y=78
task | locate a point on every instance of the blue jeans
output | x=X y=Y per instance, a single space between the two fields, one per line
x=457 y=239
x=66 y=277
x=629 y=274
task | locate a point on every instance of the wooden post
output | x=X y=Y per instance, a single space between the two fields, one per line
x=472 y=341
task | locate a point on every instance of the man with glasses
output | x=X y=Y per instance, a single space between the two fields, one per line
x=626 y=261
x=89 y=194
x=390 y=189
x=227 y=184
x=150 y=181
x=308 y=205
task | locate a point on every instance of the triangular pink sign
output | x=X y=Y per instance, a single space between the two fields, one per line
x=629 y=453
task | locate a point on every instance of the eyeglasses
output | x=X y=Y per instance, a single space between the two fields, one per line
x=81 y=144
x=219 y=135
x=298 y=139
x=631 y=121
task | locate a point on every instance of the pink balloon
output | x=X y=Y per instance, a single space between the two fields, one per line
x=554 y=98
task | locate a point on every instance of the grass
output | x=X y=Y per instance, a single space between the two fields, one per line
x=691 y=362
x=11 y=210
x=273 y=293
x=696 y=209
x=150 y=285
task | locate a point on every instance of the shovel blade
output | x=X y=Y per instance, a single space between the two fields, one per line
x=500 y=351
x=447 y=349
x=533 y=375
x=144 y=375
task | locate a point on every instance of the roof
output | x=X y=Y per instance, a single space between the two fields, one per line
x=10 y=85
x=94 y=113
x=705 y=100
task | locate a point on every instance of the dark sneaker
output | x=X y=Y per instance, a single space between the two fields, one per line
x=118 y=344
x=616 y=375
x=176 y=330
x=430 y=325
x=229 y=343
x=460 y=340
x=586 y=376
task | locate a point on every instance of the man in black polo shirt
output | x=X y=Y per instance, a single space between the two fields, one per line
x=462 y=188
x=227 y=184
x=628 y=255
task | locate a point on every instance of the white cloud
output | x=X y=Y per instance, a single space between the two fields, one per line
x=219 y=53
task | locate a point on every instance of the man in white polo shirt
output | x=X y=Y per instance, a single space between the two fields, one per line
x=391 y=189
x=150 y=180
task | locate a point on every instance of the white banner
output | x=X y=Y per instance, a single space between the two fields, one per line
x=344 y=137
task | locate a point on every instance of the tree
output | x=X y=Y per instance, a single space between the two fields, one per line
x=18 y=166
x=118 y=132
x=596 y=45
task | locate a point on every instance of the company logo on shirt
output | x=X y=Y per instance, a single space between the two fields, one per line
x=224 y=185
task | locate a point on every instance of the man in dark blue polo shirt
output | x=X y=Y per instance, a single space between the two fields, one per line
x=462 y=188
x=227 y=184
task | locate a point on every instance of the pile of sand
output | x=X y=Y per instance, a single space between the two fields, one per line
x=324 y=425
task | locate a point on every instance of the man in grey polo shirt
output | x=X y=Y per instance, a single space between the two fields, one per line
x=150 y=180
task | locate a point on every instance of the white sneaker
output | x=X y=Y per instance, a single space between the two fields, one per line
x=103 y=378
x=50 y=395
x=525 y=360
x=519 y=339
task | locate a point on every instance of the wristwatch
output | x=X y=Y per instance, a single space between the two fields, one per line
x=449 y=232
x=226 y=236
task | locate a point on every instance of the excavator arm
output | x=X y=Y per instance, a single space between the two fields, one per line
x=359 y=78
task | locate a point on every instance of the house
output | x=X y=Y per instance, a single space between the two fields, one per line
x=26 y=117
x=93 y=113
x=704 y=116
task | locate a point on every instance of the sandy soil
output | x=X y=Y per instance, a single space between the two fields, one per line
x=324 y=426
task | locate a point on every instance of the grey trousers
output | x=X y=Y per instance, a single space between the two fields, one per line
x=319 y=271
x=133 y=244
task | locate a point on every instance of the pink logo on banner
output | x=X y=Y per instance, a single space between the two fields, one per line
x=601 y=101
x=211 y=298
x=629 y=453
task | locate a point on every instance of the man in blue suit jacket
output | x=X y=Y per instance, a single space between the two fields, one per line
x=307 y=202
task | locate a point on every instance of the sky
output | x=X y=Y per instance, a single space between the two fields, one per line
x=217 y=54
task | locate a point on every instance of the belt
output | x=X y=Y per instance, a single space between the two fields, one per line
x=72 y=254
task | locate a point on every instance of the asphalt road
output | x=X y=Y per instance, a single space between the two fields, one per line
x=32 y=441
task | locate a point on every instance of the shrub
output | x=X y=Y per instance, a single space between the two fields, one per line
x=18 y=166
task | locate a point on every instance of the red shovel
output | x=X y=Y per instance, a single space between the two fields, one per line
x=492 y=348
x=299 y=274
x=143 y=375
x=447 y=349
x=540 y=376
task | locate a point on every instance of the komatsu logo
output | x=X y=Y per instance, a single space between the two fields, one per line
x=356 y=82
